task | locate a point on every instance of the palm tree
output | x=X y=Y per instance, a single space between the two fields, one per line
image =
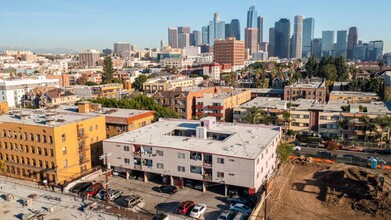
x=384 y=122
x=286 y=117
x=369 y=125
x=253 y=116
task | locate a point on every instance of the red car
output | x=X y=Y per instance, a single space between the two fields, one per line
x=92 y=190
x=185 y=207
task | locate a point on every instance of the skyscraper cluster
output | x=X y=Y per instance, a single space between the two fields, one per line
x=283 y=43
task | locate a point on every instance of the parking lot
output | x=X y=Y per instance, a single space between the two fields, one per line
x=153 y=200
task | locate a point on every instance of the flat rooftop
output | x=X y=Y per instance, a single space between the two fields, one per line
x=39 y=117
x=264 y=102
x=351 y=93
x=243 y=141
x=306 y=84
x=113 y=112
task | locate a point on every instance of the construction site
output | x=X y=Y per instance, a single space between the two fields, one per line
x=311 y=190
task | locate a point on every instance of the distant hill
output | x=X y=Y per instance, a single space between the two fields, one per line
x=57 y=50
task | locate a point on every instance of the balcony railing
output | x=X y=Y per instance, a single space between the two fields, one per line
x=216 y=114
x=207 y=176
x=137 y=166
x=215 y=107
x=83 y=161
x=199 y=106
x=199 y=113
x=82 y=135
x=207 y=164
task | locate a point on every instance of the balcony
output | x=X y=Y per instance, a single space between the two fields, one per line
x=216 y=114
x=199 y=113
x=207 y=176
x=137 y=166
x=82 y=135
x=83 y=148
x=199 y=106
x=215 y=107
x=83 y=160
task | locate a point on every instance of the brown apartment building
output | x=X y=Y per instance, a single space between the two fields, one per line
x=229 y=51
x=306 y=90
x=182 y=100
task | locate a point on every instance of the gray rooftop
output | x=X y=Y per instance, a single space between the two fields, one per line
x=114 y=112
x=244 y=141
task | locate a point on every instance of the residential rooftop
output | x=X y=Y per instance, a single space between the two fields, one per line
x=238 y=140
x=306 y=83
x=113 y=112
x=352 y=93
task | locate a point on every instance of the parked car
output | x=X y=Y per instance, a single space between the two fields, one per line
x=353 y=148
x=189 y=183
x=348 y=156
x=239 y=207
x=92 y=190
x=324 y=154
x=185 y=207
x=168 y=189
x=101 y=194
x=113 y=195
x=236 y=199
x=80 y=187
x=226 y=215
x=131 y=201
x=297 y=148
x=198 y=186
x=386 y=151
x=198 y=210
x=316 y=145
x=241 y=216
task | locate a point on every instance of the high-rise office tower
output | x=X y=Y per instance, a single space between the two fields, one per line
x=352 y=42
x=375 y=50
x=229 y=51
x=89 y=57
x=120 y=48
x=228 y=30
x=260 y=29
x=327 y=43
x=163 y=44
x=251 y=39
x=360 y=52
x=183 y=40
x=282 y=38
x=308 y=35
x=341 y=43
x=197 y=38
x=316 y=48
x=297 y=39
x=205 y=35
x=235 y=28
x=183 y=30
x=251 y=17
x=173 y=37
x=216 y=29
x=271 y=46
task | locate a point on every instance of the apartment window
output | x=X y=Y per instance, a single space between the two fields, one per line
x=296 y=124
x=220 y=160
x=27 y=149
x=63 y=137
x=52 y=165
x=159 y=152
x=11 y=146
x=51 y=152
x=334 y=118
x=231 y=174
x=32 y=150
x=257 y=175
x=295 y=116
x=4 y=133
x=306 y=124
x=323 y=117
x=44 y=138
x=27 y=161
x=323 y=126
x=196 y=169
x=306 y=116
x=34 y=163
x=39 y=151
x=45 y=152
x=258 y=160
x=262 y=156
x=181 y=169
x=127 y=160
x=65 y=163
x=261 y=169
x=160 y=166
x=38 y=138
x=96 y=127
x=231 y=160
x=90 y=128
x=64 y=150
x=47 y=164
x=40 y=163
x=126 y=148
x=181 y=155
x=220 y=174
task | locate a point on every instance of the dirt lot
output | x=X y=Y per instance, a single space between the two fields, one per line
x=321 y=191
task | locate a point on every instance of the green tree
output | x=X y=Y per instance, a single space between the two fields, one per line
x=253 y=116
x=139 y=81
x=342 y=69
x=108 y=70
x=205 y=77
x=284 y=150
x=329 y=72
x=381 y=65
x=312 y=66
x=116 y=80
x=384 y=122
x=89 y=83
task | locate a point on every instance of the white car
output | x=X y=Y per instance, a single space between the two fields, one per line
x=297 y=148
x=198 y=210
x=239 y=207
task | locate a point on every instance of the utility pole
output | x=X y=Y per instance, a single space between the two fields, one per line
x=107 y=173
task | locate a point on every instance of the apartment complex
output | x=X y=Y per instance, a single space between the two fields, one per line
x=229 y=51
x=163 y=84
x=203 y=151
x=221 y=104
x=89 y=58
x=13 y=91
x=41 y=97
x=99 y=91
x=182 y=100
x=40 y=145
x=334 y=119
x=354 y=97
x=306 y=90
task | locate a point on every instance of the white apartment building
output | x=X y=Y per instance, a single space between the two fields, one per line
x=176 y=62
x=89 y=57
x=204 y=151
x=13 y=91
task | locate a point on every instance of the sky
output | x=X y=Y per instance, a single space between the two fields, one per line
x=97 y=24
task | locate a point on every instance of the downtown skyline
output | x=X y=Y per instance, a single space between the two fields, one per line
x=43 y=24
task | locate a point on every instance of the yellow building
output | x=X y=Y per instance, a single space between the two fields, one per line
x=3 y=108
x=50 y=145
x=354 y=97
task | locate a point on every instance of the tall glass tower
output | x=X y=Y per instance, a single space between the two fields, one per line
x=251 y=17
x=308 y=35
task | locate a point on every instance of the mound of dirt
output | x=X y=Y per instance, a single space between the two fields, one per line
x=356 y=186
